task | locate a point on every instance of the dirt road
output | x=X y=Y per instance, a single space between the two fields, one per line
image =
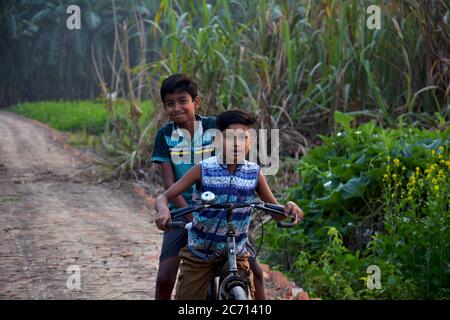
x=55 y=220
x=54 y=217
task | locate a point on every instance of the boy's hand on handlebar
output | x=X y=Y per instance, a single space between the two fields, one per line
x=163 y=217
x=291 y=209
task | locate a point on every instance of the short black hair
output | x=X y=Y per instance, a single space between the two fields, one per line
x=235 y=116
x=178 y=83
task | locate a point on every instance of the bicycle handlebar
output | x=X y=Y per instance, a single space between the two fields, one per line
x=182 y=211
x=176 y=225
x=267 y=207
x=277 y=209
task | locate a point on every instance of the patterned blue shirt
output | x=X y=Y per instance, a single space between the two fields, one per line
x=207 y=237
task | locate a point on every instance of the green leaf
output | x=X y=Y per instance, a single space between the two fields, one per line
x=355 y=187
x=333 y=197
x=342 y=119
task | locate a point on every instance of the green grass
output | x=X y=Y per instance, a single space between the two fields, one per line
x=72 y=116
x=67 y=116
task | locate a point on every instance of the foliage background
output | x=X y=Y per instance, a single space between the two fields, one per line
x=290 y=60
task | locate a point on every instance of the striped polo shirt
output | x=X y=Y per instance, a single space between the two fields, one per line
x=172 y=144
x=207 y=237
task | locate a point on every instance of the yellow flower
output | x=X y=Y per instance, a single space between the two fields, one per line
x=418 y=171
x=396 y=162
x=441 y=148
x=433 y=152
x=388 y=158
x=403 y=168
x=436 y=187
x=394 y=176
x=411 y=183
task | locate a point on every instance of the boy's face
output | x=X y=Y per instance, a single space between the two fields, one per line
x=180 y=107
x=236 y=142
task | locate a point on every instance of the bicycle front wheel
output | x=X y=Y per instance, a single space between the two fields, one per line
x=238 y=293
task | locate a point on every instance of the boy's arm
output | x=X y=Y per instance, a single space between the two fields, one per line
x=161 y=156
x=186 y=181
x=169 y=180
x=266 y=195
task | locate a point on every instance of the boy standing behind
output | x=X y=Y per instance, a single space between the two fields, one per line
x=180 y=98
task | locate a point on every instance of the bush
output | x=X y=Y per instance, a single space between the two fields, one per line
x=340 y=274
x=348 y=193
x=417 y=223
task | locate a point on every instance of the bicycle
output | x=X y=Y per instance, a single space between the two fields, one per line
x=232 y=286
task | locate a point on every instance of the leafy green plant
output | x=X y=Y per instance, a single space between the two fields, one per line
x=128 y=139
x=417 y=222
x=343 y=189
x=340 y=274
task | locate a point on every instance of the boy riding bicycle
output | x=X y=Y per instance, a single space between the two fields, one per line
x=237 y=181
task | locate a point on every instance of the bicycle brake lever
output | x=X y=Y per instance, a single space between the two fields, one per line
x=291 y=224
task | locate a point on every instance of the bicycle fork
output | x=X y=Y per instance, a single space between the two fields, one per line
x=232 y=279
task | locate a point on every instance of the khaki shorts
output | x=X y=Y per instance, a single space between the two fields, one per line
x=195 y=274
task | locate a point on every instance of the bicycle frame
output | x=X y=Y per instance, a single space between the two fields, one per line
x=231 y=243
x=232 y=278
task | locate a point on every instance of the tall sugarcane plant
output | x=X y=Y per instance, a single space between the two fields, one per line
x=293 y=62
x=300 y=61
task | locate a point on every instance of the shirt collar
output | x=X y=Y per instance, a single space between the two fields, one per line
x=238 y=167
x=179 y=131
